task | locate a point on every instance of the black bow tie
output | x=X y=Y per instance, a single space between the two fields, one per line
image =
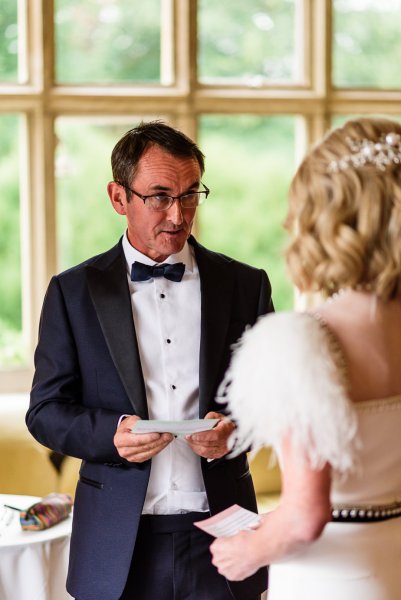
x=141 y=272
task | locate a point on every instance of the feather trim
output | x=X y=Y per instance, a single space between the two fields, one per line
x=285 y=379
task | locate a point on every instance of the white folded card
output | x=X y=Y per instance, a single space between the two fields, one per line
x=179 y=428
x=229 y=521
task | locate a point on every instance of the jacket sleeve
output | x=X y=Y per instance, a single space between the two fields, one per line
x=57 y=417
x=265 y=297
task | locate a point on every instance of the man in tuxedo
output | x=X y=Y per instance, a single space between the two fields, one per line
x=144 y=331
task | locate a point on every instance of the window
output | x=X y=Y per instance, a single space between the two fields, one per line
x=252 y=47
x=12 y=347
x=366 y=44
x=254 y=82
x=120 y=41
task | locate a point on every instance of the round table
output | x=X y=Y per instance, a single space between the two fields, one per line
x=33 y=564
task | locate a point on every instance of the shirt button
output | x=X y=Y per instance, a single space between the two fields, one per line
x=162 y=295
x=173 y=387
x=173 y=486
x=168 y=340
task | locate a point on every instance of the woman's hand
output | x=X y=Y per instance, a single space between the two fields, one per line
x=238 y=556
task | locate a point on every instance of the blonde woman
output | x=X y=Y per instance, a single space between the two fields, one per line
x=324 y=387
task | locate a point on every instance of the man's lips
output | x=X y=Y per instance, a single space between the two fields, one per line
x=172 y=231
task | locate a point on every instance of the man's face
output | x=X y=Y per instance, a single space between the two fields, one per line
x=158 y=234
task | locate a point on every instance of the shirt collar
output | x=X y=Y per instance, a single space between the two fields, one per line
x=132 y=254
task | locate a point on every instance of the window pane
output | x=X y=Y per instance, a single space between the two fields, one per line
x=12 y=350
x=8 y=41
x=367 y=43
x=249 y=164
x=251 y=41
x=86 y=221
x=102 y=42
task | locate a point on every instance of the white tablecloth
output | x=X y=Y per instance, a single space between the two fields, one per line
x=33 y=564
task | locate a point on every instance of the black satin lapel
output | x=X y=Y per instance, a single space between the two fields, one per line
x=216 y=293
x=110 y=295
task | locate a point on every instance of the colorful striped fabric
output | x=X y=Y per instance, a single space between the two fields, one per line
x=50 y=510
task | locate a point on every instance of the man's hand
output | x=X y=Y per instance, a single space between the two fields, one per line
x=213 y=443
x=138 y=447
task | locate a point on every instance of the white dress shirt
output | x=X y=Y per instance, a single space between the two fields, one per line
x=167 y=323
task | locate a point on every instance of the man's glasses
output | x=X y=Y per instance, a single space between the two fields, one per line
x=164 y=202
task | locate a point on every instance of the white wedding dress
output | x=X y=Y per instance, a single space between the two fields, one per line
x=286 y=375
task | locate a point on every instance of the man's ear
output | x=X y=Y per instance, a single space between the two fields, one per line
x=118 y=197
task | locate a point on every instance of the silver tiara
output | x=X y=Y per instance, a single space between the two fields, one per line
x=385 y=152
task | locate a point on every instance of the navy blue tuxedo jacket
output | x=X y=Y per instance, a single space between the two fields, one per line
x=88 y=374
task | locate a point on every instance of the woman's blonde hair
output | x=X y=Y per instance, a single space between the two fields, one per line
x=345 y=223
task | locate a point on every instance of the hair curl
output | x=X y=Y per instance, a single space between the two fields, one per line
x=346 y=226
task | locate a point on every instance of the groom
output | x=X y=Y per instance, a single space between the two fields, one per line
x=144 y=331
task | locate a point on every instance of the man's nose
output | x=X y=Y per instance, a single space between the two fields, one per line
x=175 y=212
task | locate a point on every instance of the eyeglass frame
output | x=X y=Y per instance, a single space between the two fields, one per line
x=205 y=193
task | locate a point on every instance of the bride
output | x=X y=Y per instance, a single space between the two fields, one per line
x=324 y=387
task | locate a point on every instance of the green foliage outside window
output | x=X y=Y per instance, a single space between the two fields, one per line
x=8 y=40
x=86 y=221
x=249 y=164
x=367 y=43
x=11 y=342
x=251 y=41
x=101 y=42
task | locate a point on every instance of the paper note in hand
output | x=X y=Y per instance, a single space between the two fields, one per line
x=178 y=428
x=230 y=521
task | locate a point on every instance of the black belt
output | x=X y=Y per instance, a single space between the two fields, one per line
x=171 y=523
x=366 y=514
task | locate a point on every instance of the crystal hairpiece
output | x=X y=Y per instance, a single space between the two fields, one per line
x=380 y=154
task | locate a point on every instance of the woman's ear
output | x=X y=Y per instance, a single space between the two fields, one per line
x=118 y=197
